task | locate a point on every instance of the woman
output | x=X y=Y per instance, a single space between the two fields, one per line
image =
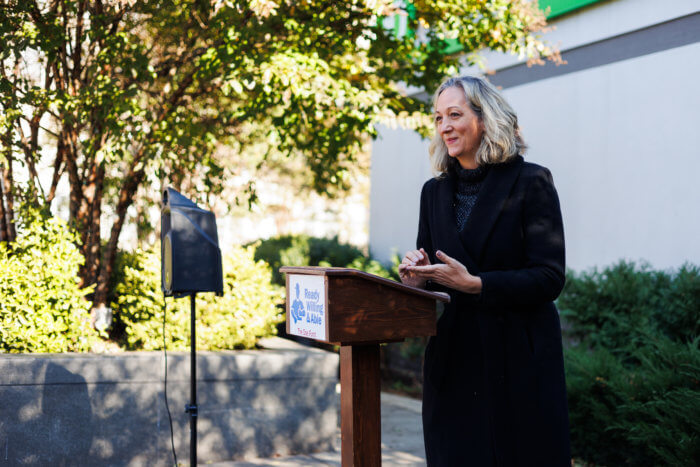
x=490 y=234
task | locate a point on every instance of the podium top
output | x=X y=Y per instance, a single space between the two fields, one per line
x=335 y=272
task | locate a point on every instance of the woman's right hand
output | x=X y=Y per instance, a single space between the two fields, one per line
x=413 y=258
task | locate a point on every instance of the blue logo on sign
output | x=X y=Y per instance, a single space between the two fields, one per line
x=297 y=307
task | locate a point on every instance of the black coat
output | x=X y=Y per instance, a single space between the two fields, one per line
x=494 y=390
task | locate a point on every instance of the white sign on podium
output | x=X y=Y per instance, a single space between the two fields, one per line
x=307 y=306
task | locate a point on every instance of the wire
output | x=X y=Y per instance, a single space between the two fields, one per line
x=165 y=387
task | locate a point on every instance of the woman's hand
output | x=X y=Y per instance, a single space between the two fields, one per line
x=451 y=273
x=413 y=258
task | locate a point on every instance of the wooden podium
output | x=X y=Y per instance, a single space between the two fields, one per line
x=357 y=311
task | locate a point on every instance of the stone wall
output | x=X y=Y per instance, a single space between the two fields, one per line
x=86 y=409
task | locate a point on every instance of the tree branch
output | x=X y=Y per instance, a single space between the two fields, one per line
x=57 y=172
x=78 y=47
x=43 y=128
x=29 y=150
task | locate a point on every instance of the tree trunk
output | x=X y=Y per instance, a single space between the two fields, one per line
x=79 y=206
x=126 y=196
x=4 y=232
x=8 y=202
x=88 y=218
x=94 y=244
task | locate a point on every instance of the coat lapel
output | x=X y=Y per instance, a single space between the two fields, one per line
x=451 y=243
x=492 y=196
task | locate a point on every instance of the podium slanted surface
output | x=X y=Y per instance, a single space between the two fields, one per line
x=356 y=307
x=357 y=311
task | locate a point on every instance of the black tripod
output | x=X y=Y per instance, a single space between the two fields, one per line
x=191 y=408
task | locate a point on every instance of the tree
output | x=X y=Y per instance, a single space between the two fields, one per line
x=114 y=95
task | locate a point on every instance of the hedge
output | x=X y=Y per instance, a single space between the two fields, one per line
x=304 y=250
x=247 y=311
x=42 y=307
x=633 y=364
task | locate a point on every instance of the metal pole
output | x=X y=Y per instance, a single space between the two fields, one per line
x=192 y=407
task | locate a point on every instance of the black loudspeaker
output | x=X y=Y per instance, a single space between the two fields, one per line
x=190 y=254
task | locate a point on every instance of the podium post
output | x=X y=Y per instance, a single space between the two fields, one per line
x=357 y=311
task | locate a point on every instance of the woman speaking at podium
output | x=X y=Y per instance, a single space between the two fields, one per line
x=490 y=234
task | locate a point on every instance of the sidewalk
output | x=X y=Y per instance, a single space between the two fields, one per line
x=402 y=440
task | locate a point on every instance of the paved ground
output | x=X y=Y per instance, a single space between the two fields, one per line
x=402 y=440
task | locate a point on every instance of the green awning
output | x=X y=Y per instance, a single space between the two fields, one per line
x=560 y=7
x=556 y=8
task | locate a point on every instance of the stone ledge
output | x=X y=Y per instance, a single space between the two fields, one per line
x=87 y=409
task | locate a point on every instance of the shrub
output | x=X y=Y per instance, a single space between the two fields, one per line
x=246 y=312
x=302 y=250
x=616 y=307
x=373 y=266
x=679 y=318
x=633 y=375
x=646 y=413
x=42 y=307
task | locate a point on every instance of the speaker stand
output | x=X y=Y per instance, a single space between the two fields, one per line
x=191 y=408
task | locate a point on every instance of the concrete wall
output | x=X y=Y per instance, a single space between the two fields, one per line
x=400 y=165
x=619 y=134
x=102 y=410
x=623 y=146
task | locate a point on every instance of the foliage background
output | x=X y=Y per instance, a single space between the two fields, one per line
x=117 y=97
x=42 y=307
x=247 y=311
x=304 y=250
x=633 y=364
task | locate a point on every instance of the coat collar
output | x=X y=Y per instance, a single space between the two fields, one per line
x=468 y=245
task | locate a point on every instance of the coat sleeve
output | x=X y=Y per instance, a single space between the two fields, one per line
x=542 y=276
x=424 y=239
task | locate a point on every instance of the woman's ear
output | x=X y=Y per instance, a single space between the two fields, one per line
x=481 y=124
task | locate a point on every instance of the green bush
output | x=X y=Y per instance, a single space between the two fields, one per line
x=42 y=307
x=633 y=371
x=679 y=318
x=247 y=311
x=303 y=250
x=646 y=413
x=373 y=266
x=616 y=307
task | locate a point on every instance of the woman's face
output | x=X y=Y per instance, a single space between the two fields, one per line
x=458 y=126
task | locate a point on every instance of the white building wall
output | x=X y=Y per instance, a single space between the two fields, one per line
x=621 y=140
x=623 y=145
x=400 y=165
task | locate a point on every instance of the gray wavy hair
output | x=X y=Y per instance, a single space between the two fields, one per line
x=501 y=140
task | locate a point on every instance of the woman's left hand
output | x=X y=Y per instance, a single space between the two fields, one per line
x=451 y=273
